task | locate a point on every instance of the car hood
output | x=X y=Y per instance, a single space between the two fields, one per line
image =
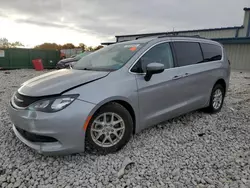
x=56 y=82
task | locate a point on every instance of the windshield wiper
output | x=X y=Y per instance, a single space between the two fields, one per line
x=87 y=69
x=95 y=69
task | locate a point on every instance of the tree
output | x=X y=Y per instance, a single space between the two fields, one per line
x=90 y=48
x=54 y=46
x=4 y=43
x=68 y=46
x=82 y=46
x=16 y=44
x=98 y=47
x=48 y=46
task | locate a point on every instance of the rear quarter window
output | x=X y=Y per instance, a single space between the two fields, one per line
x=211 y=52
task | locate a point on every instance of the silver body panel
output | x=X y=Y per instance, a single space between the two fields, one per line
x=161 y=98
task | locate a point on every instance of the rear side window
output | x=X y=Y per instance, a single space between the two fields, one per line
x=187 y=53
x=211 y=52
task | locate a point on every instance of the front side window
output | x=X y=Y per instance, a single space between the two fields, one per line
x=187 y=53
x=109 y=58
x=211 y=52
x=160 y=53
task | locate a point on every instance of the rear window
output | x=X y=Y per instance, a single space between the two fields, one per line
x=211 y=52
x=187 y=53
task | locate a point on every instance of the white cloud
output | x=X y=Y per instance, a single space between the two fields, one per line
x=32 y=35
x=91 y=22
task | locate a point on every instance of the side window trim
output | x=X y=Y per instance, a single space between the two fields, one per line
x=137 y=60
x=173 y=54
x=202 y=54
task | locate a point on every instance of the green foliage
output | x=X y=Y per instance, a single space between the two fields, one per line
x=4 y=43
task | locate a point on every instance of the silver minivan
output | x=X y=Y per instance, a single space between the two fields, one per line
x=118 y=91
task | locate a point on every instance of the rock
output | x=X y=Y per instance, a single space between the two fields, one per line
x=242 y=185
x=4 y=184
x=10 y=185
x=99 y=185
x=92 y=180
x=2 y=179
x=201 y=186
x=12 y=180
x=17 y=183
x=208 y=180
x=127 y=161
x=176 y=172
x=220 y=185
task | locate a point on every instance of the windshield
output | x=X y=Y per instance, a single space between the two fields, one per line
x=109 y=58
x=79 y=56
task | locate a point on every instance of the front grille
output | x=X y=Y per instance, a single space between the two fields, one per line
x=24 y=101
x=34 y=137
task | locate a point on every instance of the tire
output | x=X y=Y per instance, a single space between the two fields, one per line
x=110 y=111
x=216 y=108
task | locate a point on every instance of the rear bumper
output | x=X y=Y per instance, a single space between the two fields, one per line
x=64 y=127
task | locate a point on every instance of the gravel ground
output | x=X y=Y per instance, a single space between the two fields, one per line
x=194 y=150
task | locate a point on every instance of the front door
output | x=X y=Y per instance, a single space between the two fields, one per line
x=160 y=98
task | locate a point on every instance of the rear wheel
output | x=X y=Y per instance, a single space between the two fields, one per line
x=216 y=99
x=109 y=129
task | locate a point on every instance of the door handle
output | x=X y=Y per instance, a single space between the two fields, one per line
x=180 y=76
x=177 y=77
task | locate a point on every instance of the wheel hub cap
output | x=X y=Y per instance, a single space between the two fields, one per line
x=107 y=129
x=217 y=99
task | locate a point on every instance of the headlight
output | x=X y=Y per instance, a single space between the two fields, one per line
x=53 y=104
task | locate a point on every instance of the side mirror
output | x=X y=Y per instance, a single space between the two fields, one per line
x=153 y=68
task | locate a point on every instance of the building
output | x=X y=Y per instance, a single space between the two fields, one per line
x=236 y=40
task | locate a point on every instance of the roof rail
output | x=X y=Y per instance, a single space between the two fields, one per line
x=191 y=36
x=139 y=37
x=169 y=35
x=123 y=41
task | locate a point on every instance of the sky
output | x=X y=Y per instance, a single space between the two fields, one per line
x=91 y=22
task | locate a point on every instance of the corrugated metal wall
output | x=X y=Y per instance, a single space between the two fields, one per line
x=239 y=55
x=226 y=33
x=16 y=58
x=229 y=33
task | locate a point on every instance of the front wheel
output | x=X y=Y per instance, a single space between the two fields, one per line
x=216 y=99
x=109 y=129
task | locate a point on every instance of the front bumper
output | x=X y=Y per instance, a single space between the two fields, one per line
x=65 y=127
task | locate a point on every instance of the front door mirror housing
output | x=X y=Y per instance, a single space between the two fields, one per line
x=153 y=68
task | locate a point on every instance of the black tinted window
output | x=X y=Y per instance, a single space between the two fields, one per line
x=211 y=52
x=160 y=53
x=187 y=53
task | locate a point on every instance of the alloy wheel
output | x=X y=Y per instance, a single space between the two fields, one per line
x=217 y=99
x=107 y=129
